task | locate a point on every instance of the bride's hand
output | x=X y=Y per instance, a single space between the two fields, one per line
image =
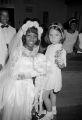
x=21 y=76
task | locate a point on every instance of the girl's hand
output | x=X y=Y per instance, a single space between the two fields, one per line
x=21 y=76
x=60 y=63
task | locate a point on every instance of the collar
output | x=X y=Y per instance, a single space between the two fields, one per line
x=4 y=26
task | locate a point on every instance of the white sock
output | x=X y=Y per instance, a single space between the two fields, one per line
x=49 y=114
x=54 y=111
x=42 y=112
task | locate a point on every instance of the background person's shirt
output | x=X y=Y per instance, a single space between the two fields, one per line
x=8 y=32
x=3 y=49
x=70 y=39
x=80 y=40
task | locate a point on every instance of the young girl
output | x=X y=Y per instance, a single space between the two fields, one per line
x=57 y=56
x=17 y=90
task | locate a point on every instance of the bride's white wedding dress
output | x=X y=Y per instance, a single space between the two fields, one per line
x=17 y=91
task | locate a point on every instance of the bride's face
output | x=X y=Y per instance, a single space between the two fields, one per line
x=31 y=39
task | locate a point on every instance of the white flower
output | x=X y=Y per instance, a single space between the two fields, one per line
x=35 y=24
x=30 y=24
x=40 y=63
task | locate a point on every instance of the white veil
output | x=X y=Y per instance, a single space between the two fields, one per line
x=6 y=73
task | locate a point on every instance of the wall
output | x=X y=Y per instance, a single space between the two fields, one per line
x=56 y=9
x=71 y=9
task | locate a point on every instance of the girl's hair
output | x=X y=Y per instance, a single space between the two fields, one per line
x=59 y=28
x=31 y=30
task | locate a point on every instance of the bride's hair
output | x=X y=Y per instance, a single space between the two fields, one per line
x=31 y=30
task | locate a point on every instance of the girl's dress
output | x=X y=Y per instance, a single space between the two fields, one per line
x=54 y=77
x=17 y=91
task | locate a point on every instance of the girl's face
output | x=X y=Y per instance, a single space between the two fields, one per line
x=31 y=39
x=54 y=36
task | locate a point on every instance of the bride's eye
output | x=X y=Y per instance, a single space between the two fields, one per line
x=28 y=35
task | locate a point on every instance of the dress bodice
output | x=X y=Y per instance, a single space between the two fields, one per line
x=23 y=63
x=51 y=52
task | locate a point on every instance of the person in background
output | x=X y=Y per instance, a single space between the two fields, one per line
x=3 y=50
x=78 y=45
x=7 y=30
x=71 y=36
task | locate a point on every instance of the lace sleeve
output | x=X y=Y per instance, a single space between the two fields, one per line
x=14 y=58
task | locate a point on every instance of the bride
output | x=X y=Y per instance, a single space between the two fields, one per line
x=17 y=91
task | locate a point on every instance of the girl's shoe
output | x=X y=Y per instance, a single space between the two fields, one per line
x=54 y=117
x=42 y=114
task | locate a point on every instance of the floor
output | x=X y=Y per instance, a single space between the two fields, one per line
x=70 y=113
